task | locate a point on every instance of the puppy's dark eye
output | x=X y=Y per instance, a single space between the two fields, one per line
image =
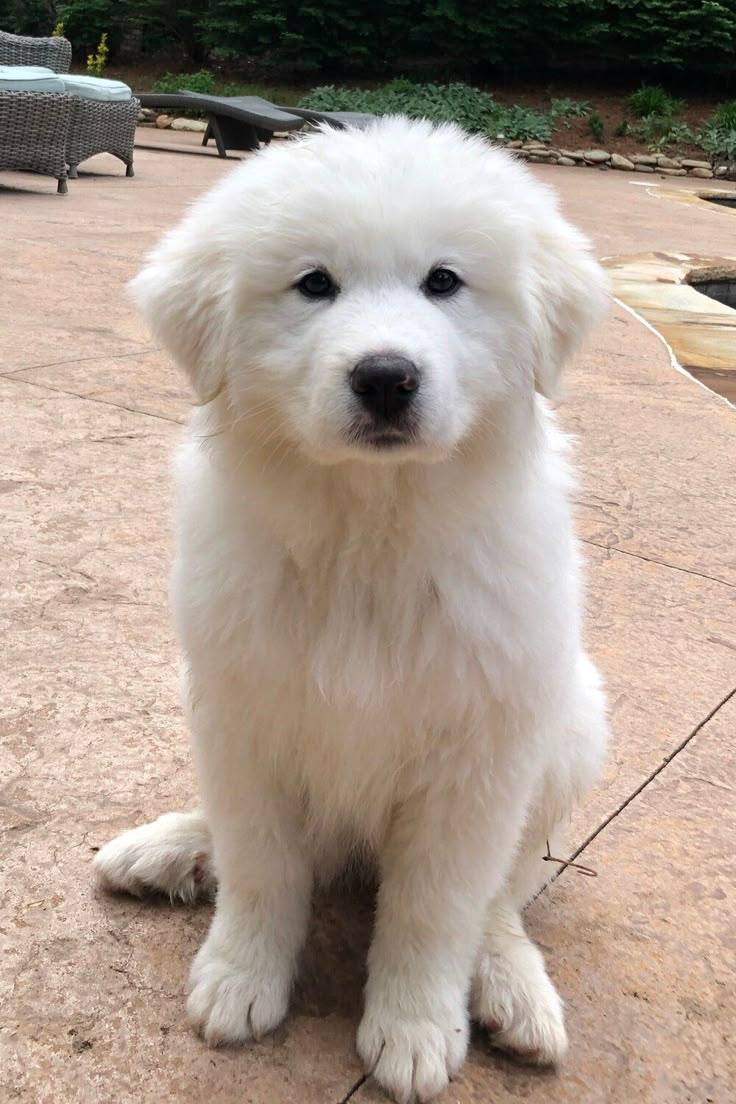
x=317 y=285
x=442 y=282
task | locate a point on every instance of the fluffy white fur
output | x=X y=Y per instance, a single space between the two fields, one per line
x=382 y=648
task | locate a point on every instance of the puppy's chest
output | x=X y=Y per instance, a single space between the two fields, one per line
x=372 y=624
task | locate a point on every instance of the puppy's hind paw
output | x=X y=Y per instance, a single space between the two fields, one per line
x=172 y=855
x=521 y=1009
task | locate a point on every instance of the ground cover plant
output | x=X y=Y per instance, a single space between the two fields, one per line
x=475 y=110
x=652 y=118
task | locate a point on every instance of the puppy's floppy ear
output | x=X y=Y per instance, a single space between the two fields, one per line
x=569 y=298
x=183 y=293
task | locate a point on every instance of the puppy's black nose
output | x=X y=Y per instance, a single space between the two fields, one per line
x=385 y=383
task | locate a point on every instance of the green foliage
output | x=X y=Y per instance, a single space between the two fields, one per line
x=150 y=24
x=58 y=31
x=725 y=116
x=203 y=82
x=85 y=21
x=718 y=138
x=659 y=36
x=566 y=108
x=312 y=35
x=624 y=129
x=653 y=100
x=661 y=133
x=596 y=125
x=658 y=126
x=96 y=62
x=27 y=17
x=563 y=109
x=209 y=84
x=720 y=145
x=471 y=108
x=521 y=123
x=460 y=103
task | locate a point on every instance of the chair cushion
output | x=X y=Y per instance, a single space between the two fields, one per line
x=29 y=78
x=95 y=88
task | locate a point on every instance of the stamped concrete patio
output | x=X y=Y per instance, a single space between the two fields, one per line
x=91 y=987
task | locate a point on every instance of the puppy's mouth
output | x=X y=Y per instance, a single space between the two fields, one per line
x=382 y=437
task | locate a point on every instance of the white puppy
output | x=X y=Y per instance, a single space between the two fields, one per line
x=376 y=581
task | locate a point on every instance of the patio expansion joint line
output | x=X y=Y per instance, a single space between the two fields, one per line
x=651 y=776
x=661 y=563
x=351 y=1092
x=91 y=398
x=74 y=360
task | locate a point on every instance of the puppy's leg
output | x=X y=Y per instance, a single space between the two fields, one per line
x=435 y=878
x=171 y=855
x=512 y=994
x=242 y=975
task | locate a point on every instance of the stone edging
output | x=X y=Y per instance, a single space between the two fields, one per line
x=539 y=153
x=148 y=116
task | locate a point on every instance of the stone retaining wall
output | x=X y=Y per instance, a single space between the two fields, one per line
x=538 y=152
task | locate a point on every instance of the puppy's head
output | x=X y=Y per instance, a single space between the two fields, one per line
x=374 y=294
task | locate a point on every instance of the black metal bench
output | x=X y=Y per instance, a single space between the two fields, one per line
x=235 y=122
x=243 y=122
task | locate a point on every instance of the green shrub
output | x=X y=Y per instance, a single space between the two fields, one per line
x=96 y=62
x=26 y=17
x=476 y=111
x=657 y=36
x=85 y=22
x=566 y=108
x=725 y=116
x=471 y=108
x=203 y=82
x=719 y=141
x=718 y=138
x=653 y=100
x=596 y=125
x=660 y=132
x=513 y=124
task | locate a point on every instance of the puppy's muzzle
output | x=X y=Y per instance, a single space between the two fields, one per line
x=386 y=385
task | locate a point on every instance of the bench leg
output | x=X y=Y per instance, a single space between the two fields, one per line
x=232 y=134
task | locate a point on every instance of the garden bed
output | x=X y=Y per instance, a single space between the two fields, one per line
x=645 y=130
x=610 y=107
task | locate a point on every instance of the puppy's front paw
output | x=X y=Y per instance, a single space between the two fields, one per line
x=413 y=1057
x=232 y=1001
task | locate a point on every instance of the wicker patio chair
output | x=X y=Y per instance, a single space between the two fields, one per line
x=53 y=53
x=33 y=132
x=97 y=126
x=101 y=127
